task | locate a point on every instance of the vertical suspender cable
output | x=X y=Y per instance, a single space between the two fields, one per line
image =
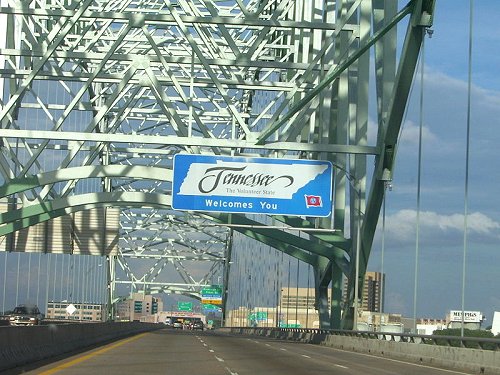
x=73 y=282
x=467 y=157
x=419 y=182
x=307 y=298
x=38 y=279
x=80 y=279
x=297 y=294
x=280 y=289
x=47 y=284
x=63 y=277
x=288 y=295
x=55 y=277
x=4 y=280
x=70 y=278
x=382 y=287
x=17 y=278
x=16 y=164
x=277 y=290
x=28 y=281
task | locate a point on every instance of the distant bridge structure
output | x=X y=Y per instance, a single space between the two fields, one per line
x=99 y=95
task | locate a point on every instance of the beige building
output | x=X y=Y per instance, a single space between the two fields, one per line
x=302 y=298
x=140 y=307
x=297 y=307
x=90 y=312
x=272 y=317
x=373 y=288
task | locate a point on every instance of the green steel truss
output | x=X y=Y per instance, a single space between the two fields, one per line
x=98 y=95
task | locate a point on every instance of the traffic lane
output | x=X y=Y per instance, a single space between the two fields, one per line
x=315 y=359
x=247 y=356
x=164 y=351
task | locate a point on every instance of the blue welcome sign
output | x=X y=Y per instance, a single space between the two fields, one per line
x=252 y=185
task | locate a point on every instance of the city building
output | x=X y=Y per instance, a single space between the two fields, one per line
x=495 y=327
x=140 y=307
x=297 y=308
x=91 y=312
x=302 y=298
x=373 y=291
x=427 y=326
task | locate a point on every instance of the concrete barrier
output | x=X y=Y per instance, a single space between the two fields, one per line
x=471 y=360
x=23 y=345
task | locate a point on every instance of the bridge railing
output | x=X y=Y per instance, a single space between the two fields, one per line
x=470 y=354
x=452 y=341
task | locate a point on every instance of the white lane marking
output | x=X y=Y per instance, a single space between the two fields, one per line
x=403 y=362
x=256 y=342
x=230 y=372
x=306 y=356
x=205 y=344
x=268 y=345
x=341 y=366
x=283 y=349
x=219 y=359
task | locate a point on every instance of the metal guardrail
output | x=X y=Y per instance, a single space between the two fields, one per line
x=453 y=341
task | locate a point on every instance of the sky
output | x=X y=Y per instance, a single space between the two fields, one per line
x=439 y=257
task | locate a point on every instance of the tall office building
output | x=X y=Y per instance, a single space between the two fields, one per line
x=373 y=292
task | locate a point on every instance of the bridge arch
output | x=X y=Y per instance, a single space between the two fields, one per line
x=282 y=83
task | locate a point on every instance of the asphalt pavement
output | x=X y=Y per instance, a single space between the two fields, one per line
x=180 y=352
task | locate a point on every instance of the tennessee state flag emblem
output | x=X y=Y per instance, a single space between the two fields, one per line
x=313 y=201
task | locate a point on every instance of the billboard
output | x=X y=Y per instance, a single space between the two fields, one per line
x=252 y=185
x=469 y=316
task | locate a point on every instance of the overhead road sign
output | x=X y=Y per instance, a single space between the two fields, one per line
x=252 y=185
x=211 y=308
x=211 y=301
x=213 y=291
x=185 y=306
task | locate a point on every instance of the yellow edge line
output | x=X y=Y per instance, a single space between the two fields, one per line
x=93 y=354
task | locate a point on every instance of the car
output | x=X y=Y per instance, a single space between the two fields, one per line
x=197 y=324
x=177 y=324
x=25 y=315
x=168 y=322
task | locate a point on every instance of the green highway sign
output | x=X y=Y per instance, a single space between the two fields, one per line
x=215 y=291
x=258 y=316
x=208 y=307
x=185 y=306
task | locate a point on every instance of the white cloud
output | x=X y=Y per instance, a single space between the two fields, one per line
x=440 y=82
x=439 y=227
x=411 y=131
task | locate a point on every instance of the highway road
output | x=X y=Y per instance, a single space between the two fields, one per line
x=177 y=352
